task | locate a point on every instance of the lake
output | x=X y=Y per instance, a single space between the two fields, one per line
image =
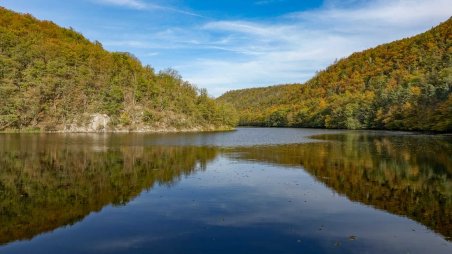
x=253 y=190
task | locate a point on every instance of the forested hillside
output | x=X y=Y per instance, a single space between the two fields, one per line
x=54 y=79
x=403 y=85
x=254 y=103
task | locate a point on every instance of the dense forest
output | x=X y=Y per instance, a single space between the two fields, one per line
x=54 y=79
x=403 y=85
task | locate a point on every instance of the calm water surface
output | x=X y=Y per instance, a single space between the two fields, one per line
x=249 y=191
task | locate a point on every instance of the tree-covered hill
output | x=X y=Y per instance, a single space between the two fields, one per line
x=403 y=85
x=253 y=103
x=54 y=79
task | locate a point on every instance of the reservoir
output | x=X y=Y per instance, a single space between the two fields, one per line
x=253 y=190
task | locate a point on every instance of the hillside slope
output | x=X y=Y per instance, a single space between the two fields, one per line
x=254 y=104
x=54 y=79
x=403 y=85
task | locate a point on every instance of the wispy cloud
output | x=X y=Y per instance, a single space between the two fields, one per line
x=135 y=4
x=264 y=2
x=141 y=5
x=399 y=13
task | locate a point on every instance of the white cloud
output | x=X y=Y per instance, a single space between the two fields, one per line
x=141 y=5
x=398 y=13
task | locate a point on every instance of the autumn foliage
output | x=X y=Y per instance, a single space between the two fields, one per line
x=52 y=77
x=403 y=85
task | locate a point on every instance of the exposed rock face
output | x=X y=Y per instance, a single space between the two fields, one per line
x=103 y=123
x=97 y=123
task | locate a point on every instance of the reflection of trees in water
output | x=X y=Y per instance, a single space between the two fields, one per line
x=46 y=183
x=45 y=187
x=405 y=175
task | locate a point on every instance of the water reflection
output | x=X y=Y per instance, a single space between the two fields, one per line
x=408 y=175
x=49 y=181
x=46 y=184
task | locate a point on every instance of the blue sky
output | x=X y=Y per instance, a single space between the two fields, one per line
x=230 y=44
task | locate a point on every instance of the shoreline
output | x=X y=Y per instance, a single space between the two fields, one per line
x=338 y=129
x=121 y=131
x=201 y=130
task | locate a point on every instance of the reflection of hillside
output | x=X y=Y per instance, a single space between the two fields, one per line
x=404 y=175
x=45 y=187
x=50 y=182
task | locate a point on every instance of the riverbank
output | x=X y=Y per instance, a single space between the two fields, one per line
x=141 y=130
